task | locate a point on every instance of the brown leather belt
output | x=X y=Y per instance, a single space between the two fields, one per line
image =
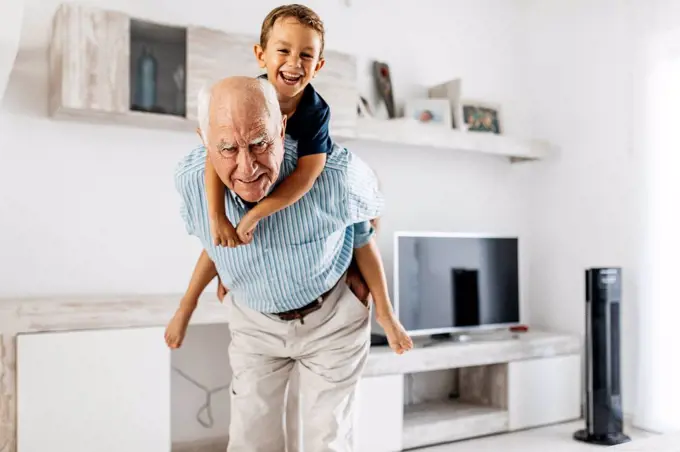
x=300 y=313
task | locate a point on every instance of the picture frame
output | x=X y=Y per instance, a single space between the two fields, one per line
x=481 y=116
x=450 y=90
x=430 y=111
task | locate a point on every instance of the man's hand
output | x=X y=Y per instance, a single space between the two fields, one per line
x=356 y=283
x=246 y=227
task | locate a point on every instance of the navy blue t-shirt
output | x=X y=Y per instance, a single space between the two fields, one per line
x=309 y=124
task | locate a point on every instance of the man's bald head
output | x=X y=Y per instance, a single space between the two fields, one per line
x=242 y=128
x=243 y=93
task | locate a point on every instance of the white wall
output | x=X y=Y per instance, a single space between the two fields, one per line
x=584 y=208
x=657 y=138
x=92 y=209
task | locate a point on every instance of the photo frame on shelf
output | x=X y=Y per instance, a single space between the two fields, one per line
x=481 y=116
x=429 y=111
x=451 y=91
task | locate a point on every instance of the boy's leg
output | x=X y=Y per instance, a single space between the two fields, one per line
x=334 y=347
x=260 y=376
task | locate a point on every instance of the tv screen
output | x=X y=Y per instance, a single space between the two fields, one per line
x=447 y=283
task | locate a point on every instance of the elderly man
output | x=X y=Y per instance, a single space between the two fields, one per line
x=289 y=302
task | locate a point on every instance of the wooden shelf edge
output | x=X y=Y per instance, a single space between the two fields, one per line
x=405 y=133
x=391 y=133
x=130 y=118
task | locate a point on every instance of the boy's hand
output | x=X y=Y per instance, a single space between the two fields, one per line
x=224 y=234
x=246 y=226
x=397 y=337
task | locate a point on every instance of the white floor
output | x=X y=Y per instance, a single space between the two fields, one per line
x=555 y=438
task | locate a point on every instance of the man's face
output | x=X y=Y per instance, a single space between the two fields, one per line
x=246 y=148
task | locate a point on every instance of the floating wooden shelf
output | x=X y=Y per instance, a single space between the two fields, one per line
x=93 y=78
x=405 y=132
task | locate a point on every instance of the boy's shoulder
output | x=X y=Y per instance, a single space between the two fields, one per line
x=312 y=103
x=311 y=115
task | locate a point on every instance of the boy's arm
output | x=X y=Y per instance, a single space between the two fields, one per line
x=371 y=268
x=292 y=188
x=215 y=191
x=223 y=232
x=204 y=272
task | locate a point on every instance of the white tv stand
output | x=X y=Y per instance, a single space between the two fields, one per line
x=504 y=383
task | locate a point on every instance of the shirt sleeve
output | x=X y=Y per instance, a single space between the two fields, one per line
x=365 y=200
x=362 y=233
x=315 y=138
x=189 y=182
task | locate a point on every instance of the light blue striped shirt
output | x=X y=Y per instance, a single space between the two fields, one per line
x=298 y=253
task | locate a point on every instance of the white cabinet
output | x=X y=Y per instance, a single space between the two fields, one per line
x=85 y=391
x=378 y=422
x=544 y=391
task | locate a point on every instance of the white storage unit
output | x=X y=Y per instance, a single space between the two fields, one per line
x=85 y=391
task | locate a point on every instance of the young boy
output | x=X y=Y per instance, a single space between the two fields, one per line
x=291 y=51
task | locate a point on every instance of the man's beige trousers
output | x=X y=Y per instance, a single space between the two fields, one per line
x=329 y=347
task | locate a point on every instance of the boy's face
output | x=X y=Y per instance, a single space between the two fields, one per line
x=291 y=56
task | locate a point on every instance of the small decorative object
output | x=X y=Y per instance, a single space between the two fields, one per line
x=481 y=116
x=451 y=91
x=147 y=74
x=383 y=81
x=430 y=111
x=180 y=97
x=363 y=108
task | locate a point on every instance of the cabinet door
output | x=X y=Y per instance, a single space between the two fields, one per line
x=378 y=420
x=213 y=55
x=544 y=391
x=85 y=391
x=89 y=61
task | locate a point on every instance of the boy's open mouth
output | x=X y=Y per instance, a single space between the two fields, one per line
x=290 y=78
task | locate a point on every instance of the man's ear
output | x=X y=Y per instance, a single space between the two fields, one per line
x=259 y=55
x=200 y=136
x=284 y=121
x=319 y=64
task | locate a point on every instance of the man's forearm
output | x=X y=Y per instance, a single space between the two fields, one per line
x=204 y=272
x=370 y=265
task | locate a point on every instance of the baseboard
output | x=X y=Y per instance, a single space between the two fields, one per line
x=204 y=445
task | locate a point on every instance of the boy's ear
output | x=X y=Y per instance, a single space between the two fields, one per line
x=259 y=55
x=319 y=65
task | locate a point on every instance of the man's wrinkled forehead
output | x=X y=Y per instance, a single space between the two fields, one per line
x=245 y=120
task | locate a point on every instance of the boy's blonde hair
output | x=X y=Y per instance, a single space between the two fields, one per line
x=301 y=13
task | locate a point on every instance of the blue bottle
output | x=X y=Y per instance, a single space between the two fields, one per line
x=147 y=71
